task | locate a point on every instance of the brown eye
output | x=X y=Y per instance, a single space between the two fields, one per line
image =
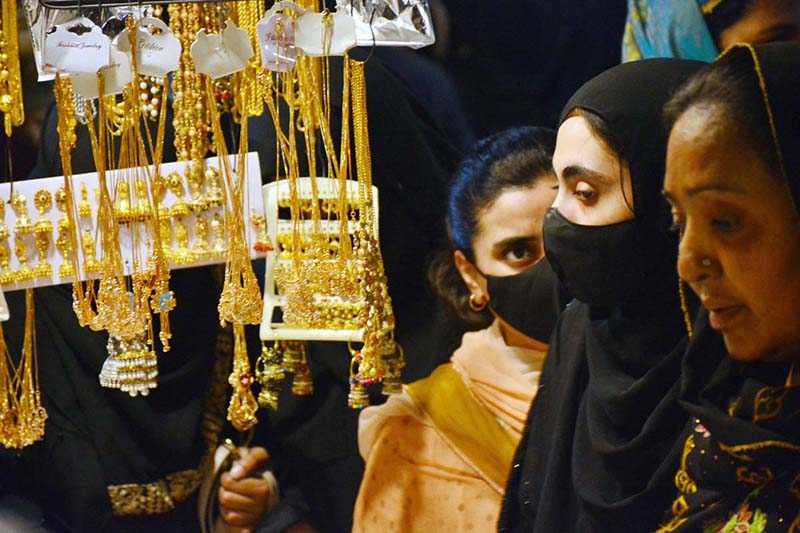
x=726 y=225
x=585 y=193
x=522 y=253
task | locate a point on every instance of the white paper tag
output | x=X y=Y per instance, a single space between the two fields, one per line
x=116 y=76
x=222 y=54
x=276 y=38
x=312 y=30
x=78 y=46
x=158 y=51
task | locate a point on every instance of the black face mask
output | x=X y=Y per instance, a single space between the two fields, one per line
x=530 y=301
x=599 y=265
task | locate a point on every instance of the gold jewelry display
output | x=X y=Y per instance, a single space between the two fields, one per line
x=215 y=196
x=247 y=16
x=123 y=212
x=90 y=264
x=161 y=495
x=130 y=366
x=6 y=274
x=24 y=272
x=329 y=268
x=263 y=243
x=201 y=249
x=43 y=201
x=295 y=361
x=190 y=114
x=123 y=306
x=243 y=406
x=379 y=355
x=19 y=204
x=22 y=417
x=143 y=209
x=11 y=104
x=175 y=183
x=84 y=208
x=269 y=369
x=165 y=234
x=220 y=244
x=240 y=301
x=183 y=255
x=150 y=93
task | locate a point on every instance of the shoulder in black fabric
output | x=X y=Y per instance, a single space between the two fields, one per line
x=744 y=416
x=95 y=436
x=611 y=449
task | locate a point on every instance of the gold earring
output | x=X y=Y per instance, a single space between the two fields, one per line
x=474 y=306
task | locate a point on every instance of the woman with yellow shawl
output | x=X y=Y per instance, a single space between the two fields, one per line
x=438 y=455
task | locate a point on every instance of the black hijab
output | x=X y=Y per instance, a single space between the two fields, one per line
x=95 y=436
x=741 y=461
x=598 y=448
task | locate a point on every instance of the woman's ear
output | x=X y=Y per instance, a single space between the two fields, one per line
x=472 y=278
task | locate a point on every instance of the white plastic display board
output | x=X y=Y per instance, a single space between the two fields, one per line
x=328 y=189
x=29 y=188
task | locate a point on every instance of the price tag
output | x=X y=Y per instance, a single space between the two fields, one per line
x=78 y=46
x=222 y=54
x=276 y=38
x=320 y=34
x=115 y=76
x=158 y=51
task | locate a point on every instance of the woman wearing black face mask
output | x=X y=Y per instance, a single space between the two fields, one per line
x=599 y=449
x=437 y=456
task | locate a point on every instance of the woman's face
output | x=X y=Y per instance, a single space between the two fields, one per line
x=509 y=236
x=763 y=22
x=740 y=244
x=593 y=185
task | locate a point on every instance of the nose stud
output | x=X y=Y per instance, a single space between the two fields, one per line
x=706 y=262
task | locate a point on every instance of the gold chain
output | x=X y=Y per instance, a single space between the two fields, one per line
x=22 y=417
x=10 y=75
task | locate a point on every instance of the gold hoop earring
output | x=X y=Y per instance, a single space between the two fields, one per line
x=475 y=307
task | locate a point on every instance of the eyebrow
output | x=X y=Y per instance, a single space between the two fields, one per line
x=574 y=172
x=506 y=243
x=713 y=187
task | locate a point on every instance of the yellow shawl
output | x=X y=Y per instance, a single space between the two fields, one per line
x=439 y=454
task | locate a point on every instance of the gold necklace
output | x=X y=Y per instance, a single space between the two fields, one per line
x=379 y=356
x=22 y=417
x=10 y=75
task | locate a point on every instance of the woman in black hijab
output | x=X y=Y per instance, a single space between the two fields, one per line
x=598 y=452
x=733 y=179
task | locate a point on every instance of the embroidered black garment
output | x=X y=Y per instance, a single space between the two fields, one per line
x=600 y=445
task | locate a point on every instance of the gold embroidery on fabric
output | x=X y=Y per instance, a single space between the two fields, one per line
x=685 y=483
x=153 y=498
x=762 y=83
x=685 y=486
x=768 y=403
x=751 y=477
x=710 y=7
x=738 y=451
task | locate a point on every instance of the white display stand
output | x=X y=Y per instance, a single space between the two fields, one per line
x=327 y=188
x=28 y=189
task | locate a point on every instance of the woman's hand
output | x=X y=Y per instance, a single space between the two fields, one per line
x=244 y=500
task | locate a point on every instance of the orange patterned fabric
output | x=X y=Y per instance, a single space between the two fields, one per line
x=421 y=478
